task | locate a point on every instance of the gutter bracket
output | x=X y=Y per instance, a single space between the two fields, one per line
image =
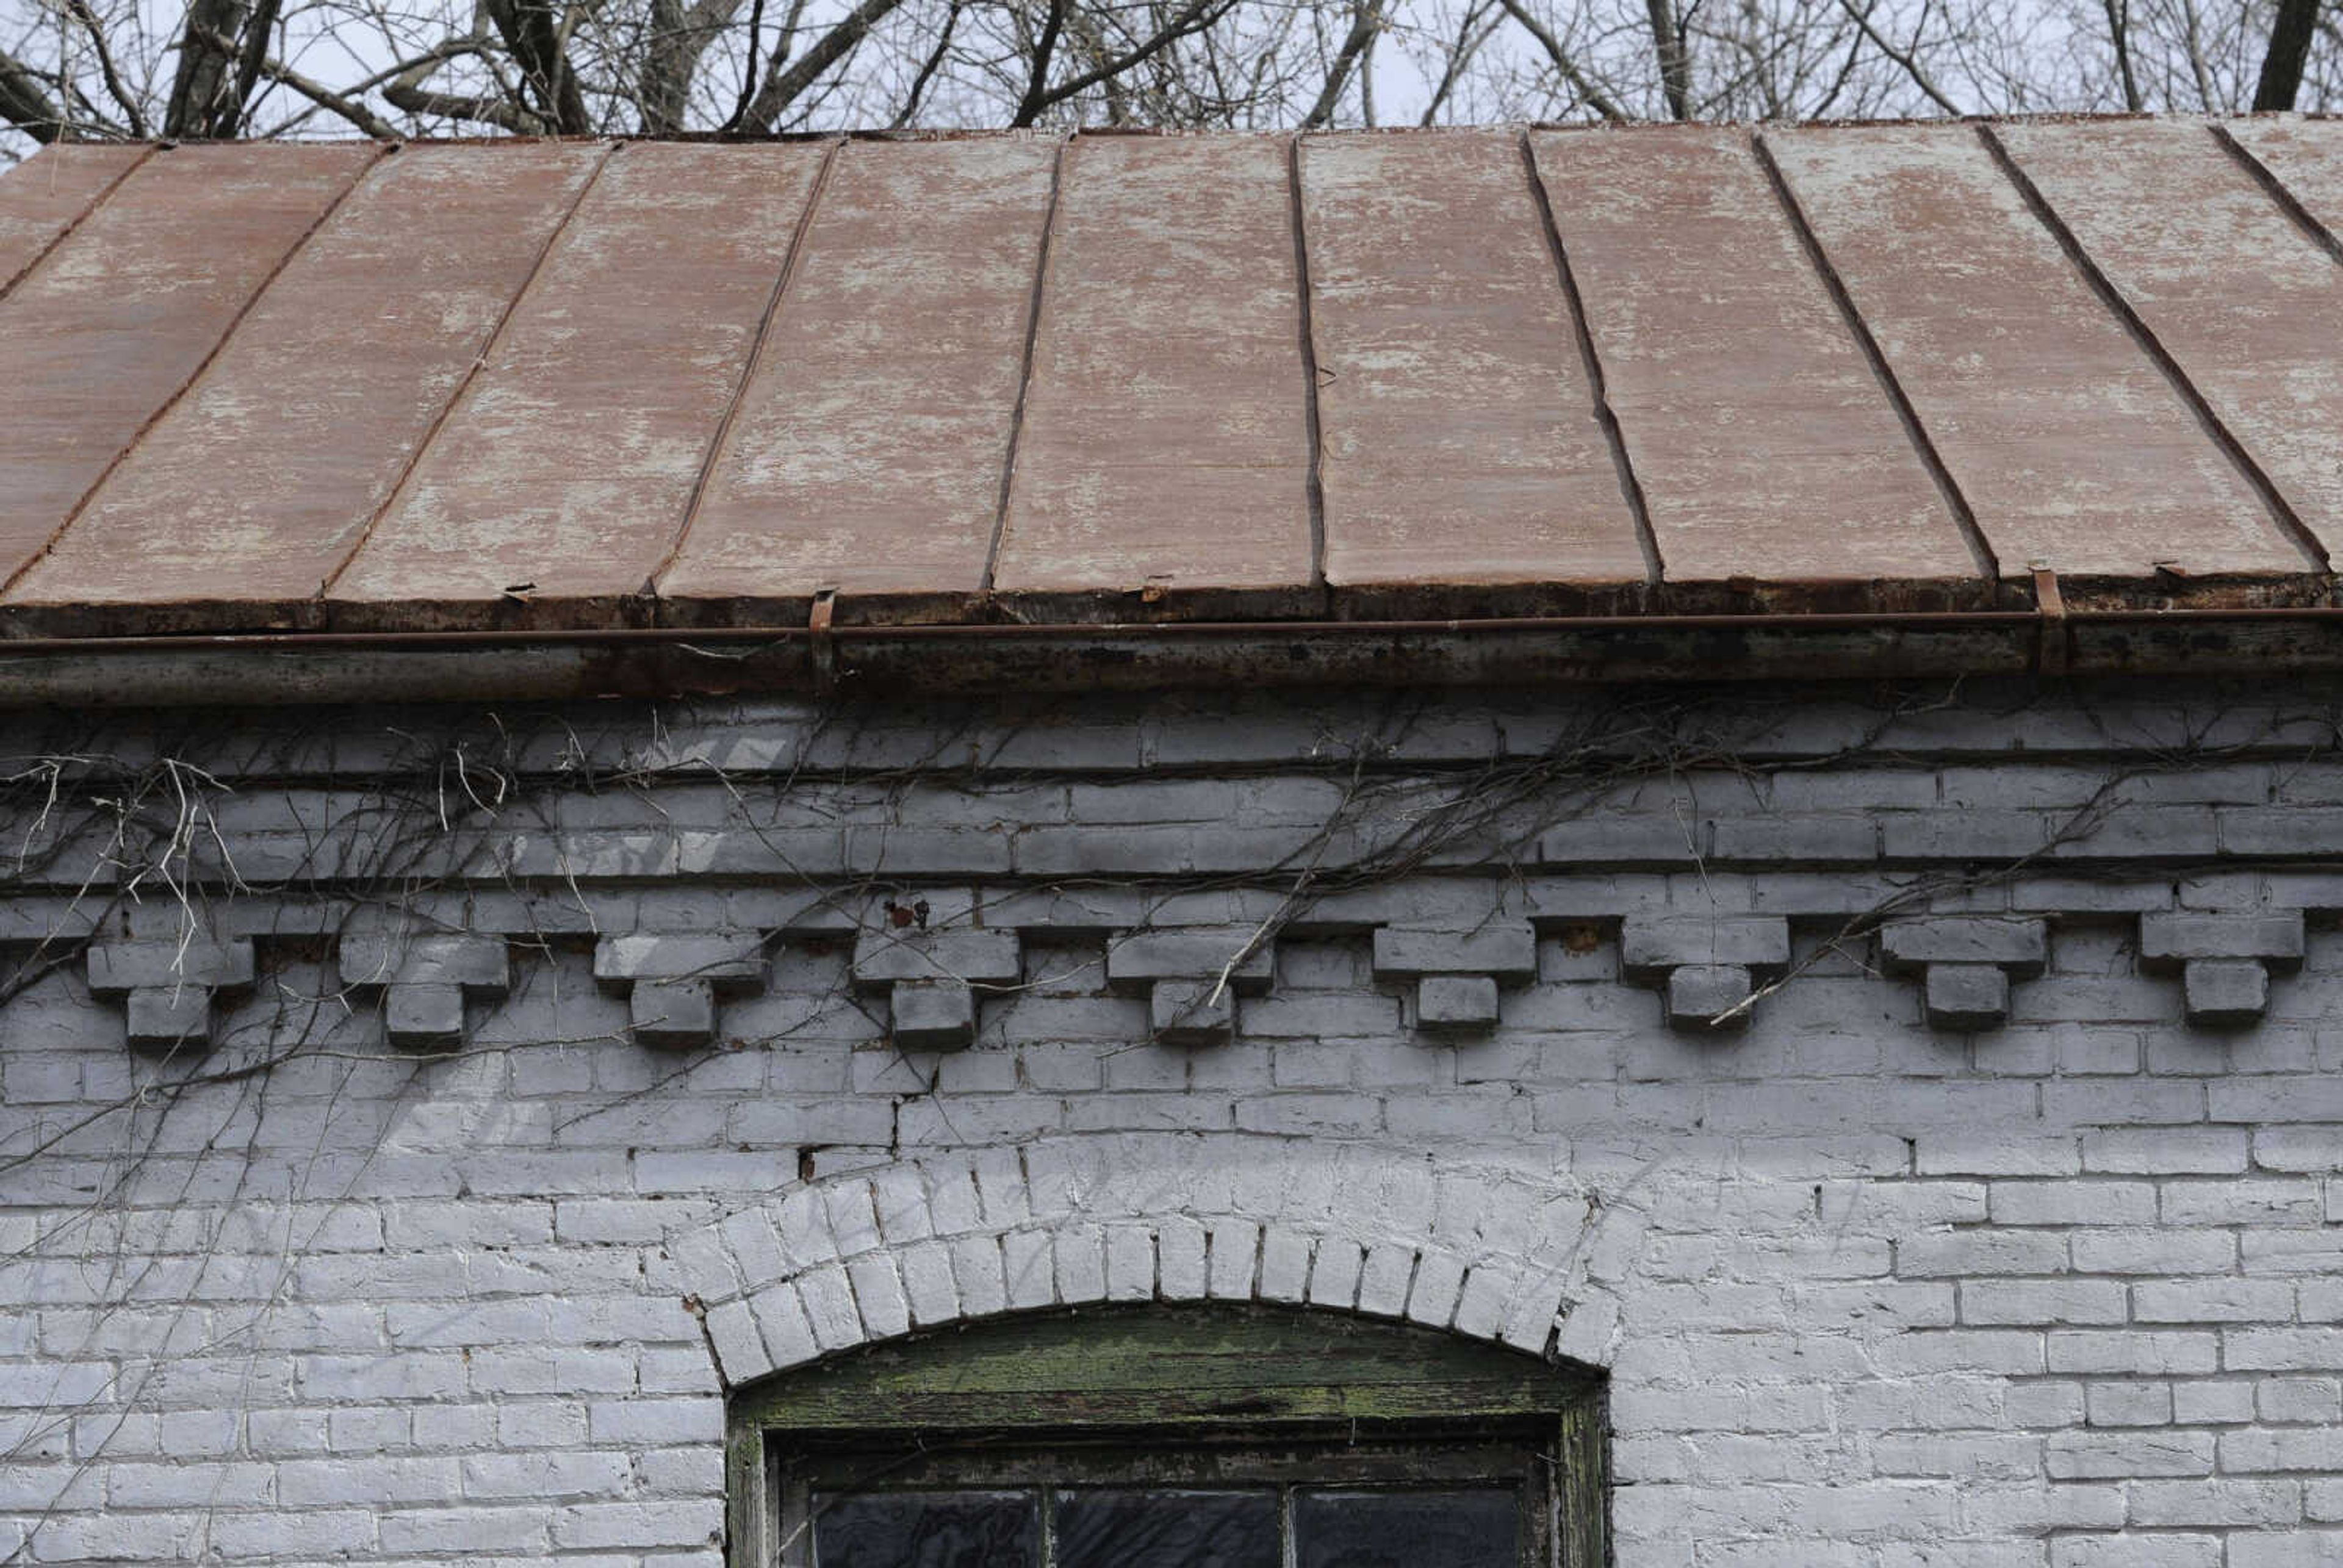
x=820 y=647
x=2054 y=646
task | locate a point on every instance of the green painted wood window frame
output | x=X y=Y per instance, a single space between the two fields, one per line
x=1238 y=1395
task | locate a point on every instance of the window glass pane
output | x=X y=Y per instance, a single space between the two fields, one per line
x=1167 y=1529
x=1475 y=1529
x=925 y=1530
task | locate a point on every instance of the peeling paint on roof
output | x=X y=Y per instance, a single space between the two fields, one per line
x=1416 y=374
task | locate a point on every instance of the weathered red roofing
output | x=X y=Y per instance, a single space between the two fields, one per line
x=1119 y=377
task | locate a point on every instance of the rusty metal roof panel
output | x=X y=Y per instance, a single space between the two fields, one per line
x=1165 y=448
x=245 y=498
x=561 y=478
x=2072 y=447
x=2248 y=306
x=2305 y=160
x=866 y=452
x=1413 y=375
x=1764 y=445
x=111 y=324
x=1460 y=443
x=38 y=209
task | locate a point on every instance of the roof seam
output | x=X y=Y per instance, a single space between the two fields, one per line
x=1630 y=488
x=1914 y=430
x=1025 y=370
x=749 y=366
x=2113 y=299
x=471 y=375
x=162 y=410
x=89 y=207
x=2276 y=190
x=1315 y=481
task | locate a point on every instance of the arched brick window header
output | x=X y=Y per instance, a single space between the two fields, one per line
x=1493 y=1253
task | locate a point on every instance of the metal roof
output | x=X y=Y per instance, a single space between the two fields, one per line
x=547 y=385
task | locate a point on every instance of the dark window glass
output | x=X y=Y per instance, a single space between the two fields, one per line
x=925 y=1530
x=1167 y=1529
x=1475 y=1529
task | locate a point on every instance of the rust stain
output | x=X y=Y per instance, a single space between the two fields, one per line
x=50 y=193
x=1765 y=446
x=569 y=463
x=1166 y=433
x=1461 y=444
x=111 y=325
x=481 y=385
x=866 y=452
x=2247 y=305
x=2074 y=451
x=321 y=398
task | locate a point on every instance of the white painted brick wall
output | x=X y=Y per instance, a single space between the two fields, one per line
x=2063 y=1295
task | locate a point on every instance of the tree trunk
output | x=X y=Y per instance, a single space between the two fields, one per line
x=2289 y=50
x=1676 y=59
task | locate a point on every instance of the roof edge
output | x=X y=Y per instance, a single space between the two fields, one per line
x=989 y=660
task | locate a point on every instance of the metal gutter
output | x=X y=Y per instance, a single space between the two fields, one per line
x=990 y=660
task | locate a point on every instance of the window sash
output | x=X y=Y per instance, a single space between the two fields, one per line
x=1202 y=1380
x=1438 y=1459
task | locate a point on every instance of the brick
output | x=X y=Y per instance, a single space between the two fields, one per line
x=424 y=1017
x=972 y=957
x=2161 y=1503
x=2019 y=946
x=1505 y=950
x=1811 y=840
x=115 y=969
x=2315 y=1399
x=2130 y=1551
x=1607 y=839
x=2282 y=1350
x=478 y=965
x=2073 y=1204
x=1966 y=998
x=1187 y=1012
x=2130 y=1403
x=2002 y=1303
x=672 y=1015
x=1456 y=1004
x=2225 y=994
x=2170 y=940
x=729 y=959
x=2110 y=1456
x=2317 y=1450
x=933 y=1015
x=2212 y=1404
x=1136 y=960
x=2166 y=1151
x=1700 y=997
x=166 y=1021
x=2288 y=1549
x=2159 y=1352
x=1649 y=945
x=1966 y=835
x=2281 y=832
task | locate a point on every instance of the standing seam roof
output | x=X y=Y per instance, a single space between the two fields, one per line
x=1115 y=378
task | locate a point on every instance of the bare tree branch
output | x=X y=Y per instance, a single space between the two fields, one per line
x=1366 y=16
x=781 y=91
x=1580 y=83
x=25 y=102
x=325 y=97
x=123 y=97
x=1903 y=58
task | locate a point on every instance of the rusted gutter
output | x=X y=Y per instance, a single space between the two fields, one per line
x=989 y=659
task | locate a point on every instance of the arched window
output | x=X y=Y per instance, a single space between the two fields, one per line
x=1169 y=1437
